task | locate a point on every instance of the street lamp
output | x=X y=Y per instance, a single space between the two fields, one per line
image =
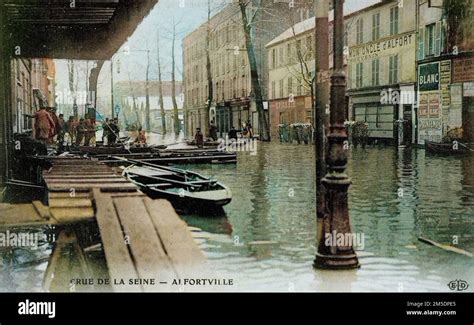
x=336 y=254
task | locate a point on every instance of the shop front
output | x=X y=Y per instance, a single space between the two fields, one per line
x=434 y=101
x=287 y=111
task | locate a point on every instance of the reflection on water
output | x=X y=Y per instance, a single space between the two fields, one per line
x=397 y=195
x=266 y=241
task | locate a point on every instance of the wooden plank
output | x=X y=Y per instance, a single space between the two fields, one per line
x=150 y=258
x=60 y=195
x=20 y=215
x=72 y=215
x=84 y=176
x=42 y=210
x=176 y=238
x=117 y=255
x=52 y=180
x=70 y=203
x=127 y=186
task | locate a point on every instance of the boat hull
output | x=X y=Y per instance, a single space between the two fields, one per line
x=447 y=148
x=188 y=204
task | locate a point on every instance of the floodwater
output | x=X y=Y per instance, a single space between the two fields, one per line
x=266 y=240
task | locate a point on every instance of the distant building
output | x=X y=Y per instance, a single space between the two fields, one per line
x=131 y=98
x=232 y=95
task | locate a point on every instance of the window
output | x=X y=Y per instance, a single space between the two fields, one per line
x=309 y=46
x=299 y=89
x=273 y=58
x=290 y=86
x=394 y=20
x=288 y=53
x=393 y=70
x=429 y=39
x=281 y=57
x=375 y=26
x=360 y=31
x=273 y=90
x=375 y=72
x=280 y=88
x=359 y=71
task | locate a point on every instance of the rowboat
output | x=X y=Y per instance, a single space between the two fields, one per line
x=451 y=148
x=186 y=190
x=116 y=149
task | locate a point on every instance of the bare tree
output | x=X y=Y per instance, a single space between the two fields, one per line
x=247 y=23
x=71 y=73
x=147 y=92
x=135 y=107
x=160 y=87
x=173 y=81
x=208 y=62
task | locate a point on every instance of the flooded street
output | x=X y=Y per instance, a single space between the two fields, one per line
x=267 y=240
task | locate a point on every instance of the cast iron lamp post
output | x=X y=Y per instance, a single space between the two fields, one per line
x=336 y=221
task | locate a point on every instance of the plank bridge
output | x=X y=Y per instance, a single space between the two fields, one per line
x=141 y=238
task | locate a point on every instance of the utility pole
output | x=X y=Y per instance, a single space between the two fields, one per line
x=336 y=222
x=321 y=8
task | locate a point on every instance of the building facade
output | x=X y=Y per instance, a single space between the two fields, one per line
x=381 y=54
x=232 y=103
x=33 y=85
x=291 y=70
x=445 y=73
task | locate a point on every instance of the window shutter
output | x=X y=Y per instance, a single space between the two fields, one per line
x=438 y=38
x=421 y=44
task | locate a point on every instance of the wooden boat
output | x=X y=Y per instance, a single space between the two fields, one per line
x=205 y=143
x=116 y=149
x=186 y=190
x=450 y=148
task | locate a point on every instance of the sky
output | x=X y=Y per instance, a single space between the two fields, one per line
x=186 y=15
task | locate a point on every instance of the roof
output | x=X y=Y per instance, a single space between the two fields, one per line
x=89 y=29
x=309 y=24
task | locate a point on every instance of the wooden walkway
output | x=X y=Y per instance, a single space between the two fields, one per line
x=142 y=239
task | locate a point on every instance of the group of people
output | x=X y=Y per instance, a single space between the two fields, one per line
x=246 y=131
x=51 y=128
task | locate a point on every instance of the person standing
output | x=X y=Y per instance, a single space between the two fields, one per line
x=89 y=131
x=43 y=124
x=213 y=131
x=80 y=132
x=105 y=129
x=113 y=132
x=233 y=133
x=199 y=138
x=62 y=126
